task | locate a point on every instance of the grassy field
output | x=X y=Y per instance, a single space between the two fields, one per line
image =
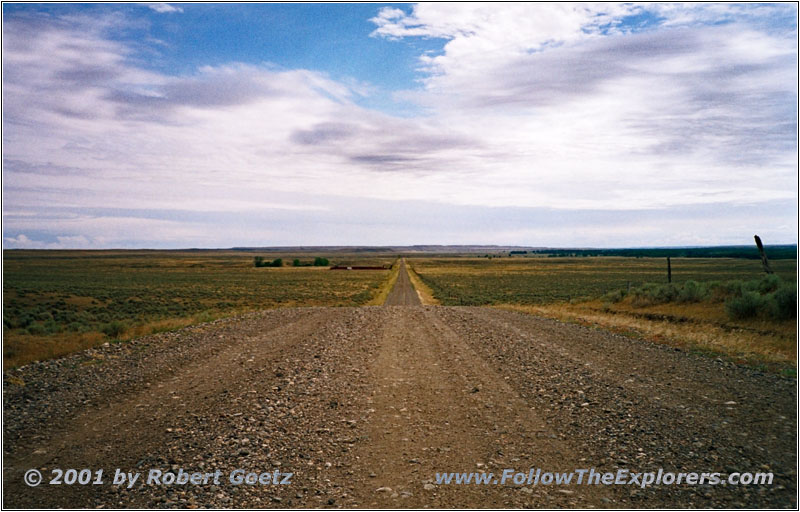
x=481 y=281
x=55 y=302
x=595 y=291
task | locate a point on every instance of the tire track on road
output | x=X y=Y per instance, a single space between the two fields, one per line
x=632 y=404
x=438 y=407
x=403 y=293
x=147 y=426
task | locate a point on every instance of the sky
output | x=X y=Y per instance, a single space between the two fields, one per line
x=535 y=124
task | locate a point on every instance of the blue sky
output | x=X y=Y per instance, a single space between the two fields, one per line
x=219 y=125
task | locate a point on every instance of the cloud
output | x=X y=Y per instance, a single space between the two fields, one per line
x=164 y=8
x=476 y=27
x=21 y=241
x=349 y=221
x=566 y=107
x=587 y=104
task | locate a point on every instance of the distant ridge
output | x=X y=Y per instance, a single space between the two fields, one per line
x=393 y=248
x=778 y=251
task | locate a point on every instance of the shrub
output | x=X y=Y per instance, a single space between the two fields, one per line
x=769 y=283
x=296 y=262
x=113 y=329
x=52 y=326
x=76 y=327
x=615 y=296
x=643 y=296
x=37 y=329
x=735 y=288
x=258 y=261
x=753 y=285
x=784 y=303
x=746 y=306
x=652 y=293
x=22 y=321
x=321 y=262
x=666 y=293
x=692 y=292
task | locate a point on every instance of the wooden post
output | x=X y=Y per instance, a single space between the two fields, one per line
x=763 y=254
x=669 y=271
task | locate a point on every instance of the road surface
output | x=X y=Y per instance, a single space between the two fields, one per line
x=365 y=405
x=403 y=293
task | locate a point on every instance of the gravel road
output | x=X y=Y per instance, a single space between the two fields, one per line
x=403 y=293
x=364 y=405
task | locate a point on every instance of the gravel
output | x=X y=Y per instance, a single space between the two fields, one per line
x=364 y=405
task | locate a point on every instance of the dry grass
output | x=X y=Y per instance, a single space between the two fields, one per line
x=568 y=289
x=383 y=291
x=20 y=349
x=481 y=281
x=700 y=327
x=57 y=302
x=423 y=291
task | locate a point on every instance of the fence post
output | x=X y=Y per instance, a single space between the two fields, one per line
x=763 y=254
x=669 y=271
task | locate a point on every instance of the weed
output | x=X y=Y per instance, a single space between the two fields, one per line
x=748 y=305
x=615 y=296
x=481 y=281
x=784 y=303
x=55 y=302
x=114 y=329
x=769 y=283
x=691 y=291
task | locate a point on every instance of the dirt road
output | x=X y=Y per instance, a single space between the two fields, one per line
x=403 y=293
x=365 y=405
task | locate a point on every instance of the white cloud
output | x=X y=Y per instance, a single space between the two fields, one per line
x=501 y=26
x=529 y=105
x=21 y=241
x=164 y=8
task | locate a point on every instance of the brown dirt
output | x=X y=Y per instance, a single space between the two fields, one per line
x=365 y=405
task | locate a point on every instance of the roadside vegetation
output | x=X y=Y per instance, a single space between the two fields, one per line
x=768 y=298
x=480 y=281
x=426 y=295
x=721 y=306
x=380 y=296
x=56 y=302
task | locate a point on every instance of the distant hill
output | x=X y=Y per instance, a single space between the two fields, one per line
x=396 y=249
x=776 y=252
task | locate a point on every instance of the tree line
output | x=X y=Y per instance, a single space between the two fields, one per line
x=259 y=261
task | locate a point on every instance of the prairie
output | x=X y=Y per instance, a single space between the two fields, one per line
x=602 y=292
x=56 y=302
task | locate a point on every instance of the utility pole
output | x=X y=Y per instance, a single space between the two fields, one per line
x=763 y=254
